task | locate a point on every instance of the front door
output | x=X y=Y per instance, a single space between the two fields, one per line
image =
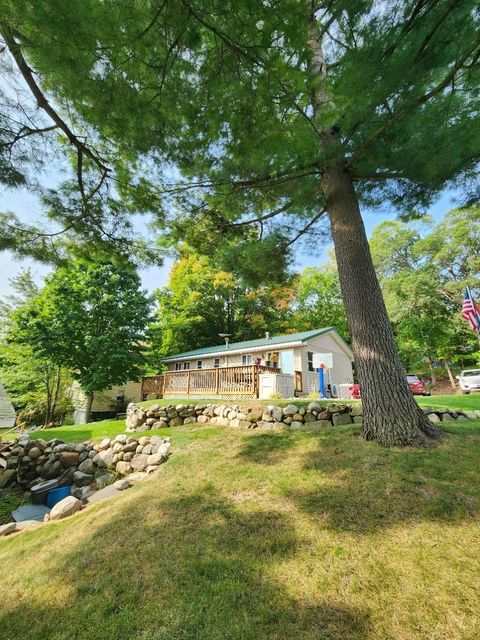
x=286 y=361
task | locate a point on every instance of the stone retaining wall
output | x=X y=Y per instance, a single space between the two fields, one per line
x=314 y=415
x=26 y=462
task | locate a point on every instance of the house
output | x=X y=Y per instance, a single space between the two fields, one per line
x=106 y=404
x=7 y=412
x=255 y=368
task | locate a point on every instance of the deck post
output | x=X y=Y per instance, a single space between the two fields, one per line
x=188 y=383
x=217 y=381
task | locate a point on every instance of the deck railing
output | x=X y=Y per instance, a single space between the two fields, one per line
x=223 y=381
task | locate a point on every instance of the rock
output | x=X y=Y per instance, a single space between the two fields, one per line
x=337 y=407
x=255 y=414
x=309 y=417
x=314 y=406
x=82 y=493
x=176 y=422
x=121 y=485
x=136 y=477
x=103 y=494
x=156 y=459
x=7 y=529
x=104 y=444
x=220 y=422
x=160 y=424
x=66 y=507
x=263 y=424
x=203 y=419
x=288 y=420
x=27 y=524
x=190 y=420
x=68 y=458
x=471 y=415
x=296 y=425
x=298 y=417
x=123 y=467
x=79 y=447
x=86 y=466
x=131 y=446
x=6 y=477
x=128 y=456
x=105 y=480
x=358 y=419
x=139 y=462
x=240 y=424
x=434 y=418
x=121 y=438
x=82 y=479
x=341 y=418
x=34 y=453
x=290 y=410
x=356 y=409
x=151 y=468
x=277 y=414
x=266 y=417
x=66 y=477
x=103 y=459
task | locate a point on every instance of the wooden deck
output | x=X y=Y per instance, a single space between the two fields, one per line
x=239 y=381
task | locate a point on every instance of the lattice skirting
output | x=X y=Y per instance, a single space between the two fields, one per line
x=233 y=396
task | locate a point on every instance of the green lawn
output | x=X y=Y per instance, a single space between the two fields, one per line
x=467 y=402
x=110 y=428
x=247 y=535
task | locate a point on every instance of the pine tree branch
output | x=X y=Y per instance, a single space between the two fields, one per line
x=416 y=103
x=27 y=74
x=306 y=228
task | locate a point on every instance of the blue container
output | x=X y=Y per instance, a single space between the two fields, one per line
x=55 y=495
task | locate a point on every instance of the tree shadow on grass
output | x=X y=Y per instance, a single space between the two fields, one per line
x=192 y=568
x=266 y=448
x=366 y=488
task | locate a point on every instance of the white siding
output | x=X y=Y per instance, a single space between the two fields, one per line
x=342 y=367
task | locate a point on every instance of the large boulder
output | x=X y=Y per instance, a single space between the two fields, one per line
x=290 y=410
x=66 y=507
x=341 y=419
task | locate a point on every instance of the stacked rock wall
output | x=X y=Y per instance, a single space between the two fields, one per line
x=26 y=462
x=314 y=415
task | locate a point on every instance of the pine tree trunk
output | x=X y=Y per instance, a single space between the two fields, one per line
x=88 y=408
x=391 y=415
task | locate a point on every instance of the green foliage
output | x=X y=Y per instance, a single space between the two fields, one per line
x=423 y=272
x=89 y=318
x=231 y=126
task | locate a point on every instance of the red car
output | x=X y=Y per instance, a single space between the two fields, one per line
x=417 y=387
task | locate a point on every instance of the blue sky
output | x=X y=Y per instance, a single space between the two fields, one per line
x=28 y=208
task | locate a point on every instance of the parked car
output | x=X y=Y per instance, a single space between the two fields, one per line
x=469 y=380
x=416 y=384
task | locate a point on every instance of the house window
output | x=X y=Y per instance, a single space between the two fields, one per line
x=186 y=365
x=178 y=366
x=310 y=360
x=272 y=359
x=247 y=359
x=216 y=363
x=199 y=364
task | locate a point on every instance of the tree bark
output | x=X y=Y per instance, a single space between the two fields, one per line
x=433 y=375
x=391 y=415
x=88 y=408
x=449 y=371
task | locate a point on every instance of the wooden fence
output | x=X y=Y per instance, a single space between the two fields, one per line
x=224 y=381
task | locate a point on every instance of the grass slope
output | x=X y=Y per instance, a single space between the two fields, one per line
x=247 y=535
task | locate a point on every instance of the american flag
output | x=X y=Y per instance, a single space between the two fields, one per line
x=471 y=311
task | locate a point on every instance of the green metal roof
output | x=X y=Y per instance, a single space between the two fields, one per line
x=252 y=344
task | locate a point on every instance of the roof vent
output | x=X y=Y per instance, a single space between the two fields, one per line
x=267 y=335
